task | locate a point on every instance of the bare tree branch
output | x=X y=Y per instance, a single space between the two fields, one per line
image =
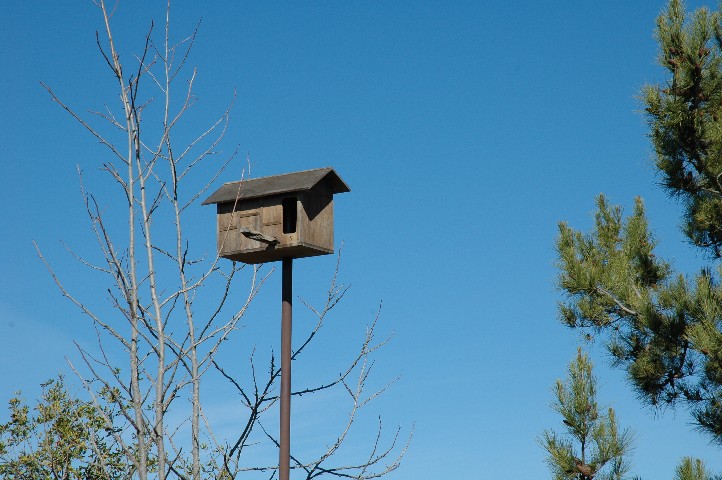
x=166 y=324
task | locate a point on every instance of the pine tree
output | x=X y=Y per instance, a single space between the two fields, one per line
x=592 y=446
x=664 y=328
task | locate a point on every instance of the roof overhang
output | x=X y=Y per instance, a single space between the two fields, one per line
x=277 y=184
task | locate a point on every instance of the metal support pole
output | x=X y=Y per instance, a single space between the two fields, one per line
x=284 y=461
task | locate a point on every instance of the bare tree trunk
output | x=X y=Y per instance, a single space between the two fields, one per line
x=132 y=289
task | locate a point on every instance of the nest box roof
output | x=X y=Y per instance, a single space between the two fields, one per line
x=277 y=184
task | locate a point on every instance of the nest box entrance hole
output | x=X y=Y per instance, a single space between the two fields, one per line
x=290 y=214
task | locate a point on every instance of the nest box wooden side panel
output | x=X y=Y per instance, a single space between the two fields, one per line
x=280 y=218
x=272 y=219
x=316 y=219
x=247 y=215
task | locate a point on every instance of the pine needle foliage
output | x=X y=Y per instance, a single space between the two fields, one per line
x=591 y=447
x=693 y=469
x=664 y=328
x=684 y=119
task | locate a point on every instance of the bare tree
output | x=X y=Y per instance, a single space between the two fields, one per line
x=169 y=343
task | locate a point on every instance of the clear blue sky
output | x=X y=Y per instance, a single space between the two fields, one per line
x=466 y=130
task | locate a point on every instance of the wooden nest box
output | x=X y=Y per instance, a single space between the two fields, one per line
x=284 y=216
